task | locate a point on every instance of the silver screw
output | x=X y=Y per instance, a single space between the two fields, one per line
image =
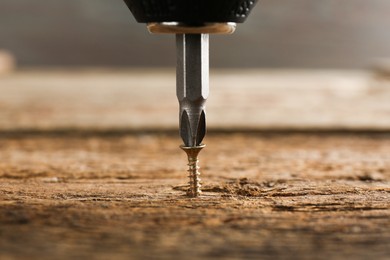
x=193 y=169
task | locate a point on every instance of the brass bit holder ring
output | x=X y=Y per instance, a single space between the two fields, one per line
x=181 y=28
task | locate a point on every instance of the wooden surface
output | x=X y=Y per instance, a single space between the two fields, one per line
x=243 y=99
x=265 y=196
x=90 y=168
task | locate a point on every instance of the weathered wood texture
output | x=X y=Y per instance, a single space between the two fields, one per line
x=69 y=190
x=265 y=196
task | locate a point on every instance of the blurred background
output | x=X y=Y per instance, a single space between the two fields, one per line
x=278 y=34
x=293 y=64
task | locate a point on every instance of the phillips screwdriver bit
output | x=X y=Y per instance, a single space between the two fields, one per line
x=192 y=21
x=192 y=85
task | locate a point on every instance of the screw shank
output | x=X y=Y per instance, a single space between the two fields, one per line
x=193 y=170
x=192 y=85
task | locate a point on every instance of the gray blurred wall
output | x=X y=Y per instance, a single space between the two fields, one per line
x=279 y=33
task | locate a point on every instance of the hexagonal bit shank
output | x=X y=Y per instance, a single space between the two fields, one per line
x=192 y=86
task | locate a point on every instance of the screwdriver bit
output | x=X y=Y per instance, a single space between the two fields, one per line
x=192 y=21
x=192 y=85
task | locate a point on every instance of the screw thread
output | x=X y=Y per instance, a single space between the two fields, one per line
x=193 y=170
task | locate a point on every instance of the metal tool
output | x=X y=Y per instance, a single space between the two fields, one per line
x=192 y=90
x=192 y=21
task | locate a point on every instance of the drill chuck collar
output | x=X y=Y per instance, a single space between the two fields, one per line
x=191 y=12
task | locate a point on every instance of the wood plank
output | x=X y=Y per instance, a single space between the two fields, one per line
x=244 y=99
x=265 y=196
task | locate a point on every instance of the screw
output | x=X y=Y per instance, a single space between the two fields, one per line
x=193 y=169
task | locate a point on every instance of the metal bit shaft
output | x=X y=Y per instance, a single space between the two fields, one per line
x=192 y=88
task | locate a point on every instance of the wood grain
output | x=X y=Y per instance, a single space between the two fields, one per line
x=90 y=167
x=118 y=196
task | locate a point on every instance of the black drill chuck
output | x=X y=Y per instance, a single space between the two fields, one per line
x=192 y=12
